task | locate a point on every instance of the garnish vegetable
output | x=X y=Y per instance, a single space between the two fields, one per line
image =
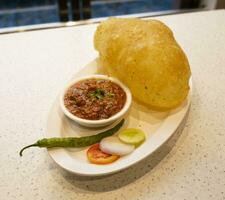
x=73 y=141
x=132 y=136
x=96 y=156
x=113 y=145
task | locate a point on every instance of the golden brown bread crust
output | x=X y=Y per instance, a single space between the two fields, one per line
x=145 y=56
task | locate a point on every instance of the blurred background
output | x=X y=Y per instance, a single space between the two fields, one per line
x=29 y=12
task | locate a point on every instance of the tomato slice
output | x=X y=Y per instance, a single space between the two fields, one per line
x=96 y=156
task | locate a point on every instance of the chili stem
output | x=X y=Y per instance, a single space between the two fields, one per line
x=32 y=145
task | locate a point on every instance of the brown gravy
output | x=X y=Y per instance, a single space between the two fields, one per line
x=94 y=99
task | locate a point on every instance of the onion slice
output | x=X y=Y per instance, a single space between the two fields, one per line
x=112 y=145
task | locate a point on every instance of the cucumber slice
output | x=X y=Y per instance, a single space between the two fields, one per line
x=132 y=136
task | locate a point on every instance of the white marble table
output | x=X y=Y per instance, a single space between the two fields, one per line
x=35 y=65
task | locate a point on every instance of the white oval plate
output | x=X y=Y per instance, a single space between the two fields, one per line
x=158 y=126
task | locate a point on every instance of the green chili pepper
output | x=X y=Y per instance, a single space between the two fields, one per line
x=73 y=141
